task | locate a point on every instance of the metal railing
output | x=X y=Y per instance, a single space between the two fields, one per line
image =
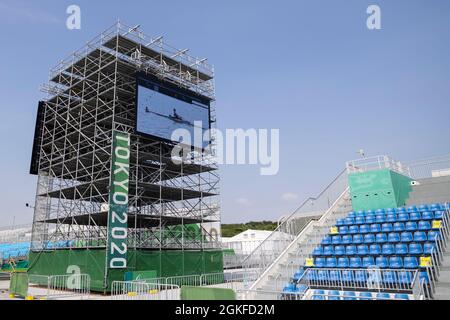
x=288 y=229
x=377 y=163
x=373 y=279
x=135 y=290
x=437 y=256
x=432 y=167
x=54 y=287
x=269 y=295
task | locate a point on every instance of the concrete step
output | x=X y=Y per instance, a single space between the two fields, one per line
x=442 y=291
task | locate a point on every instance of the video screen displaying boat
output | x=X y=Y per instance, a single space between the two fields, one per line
x=161 y=110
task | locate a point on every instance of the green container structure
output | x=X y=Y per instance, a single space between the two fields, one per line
x=378 y=189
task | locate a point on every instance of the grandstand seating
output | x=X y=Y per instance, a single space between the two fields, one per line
x=20 y=250
x=390 y=239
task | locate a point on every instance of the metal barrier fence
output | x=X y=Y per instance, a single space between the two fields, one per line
x=377 y=163
x=437 y=256
x=135 y=290
x=269 y=295
x=67 y=286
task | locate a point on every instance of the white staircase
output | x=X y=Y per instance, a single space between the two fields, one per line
x=280 y=272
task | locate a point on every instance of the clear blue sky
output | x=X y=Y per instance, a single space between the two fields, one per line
x=310 y=68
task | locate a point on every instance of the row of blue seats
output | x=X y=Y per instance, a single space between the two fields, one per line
x=402 y=217
x=392 y=237
x=384 y=262
x=422 y=208
x=413 y=248
x=351 y=295
x=386 y=227
x=359 y=277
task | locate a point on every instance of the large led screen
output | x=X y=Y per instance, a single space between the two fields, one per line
x=163 y=108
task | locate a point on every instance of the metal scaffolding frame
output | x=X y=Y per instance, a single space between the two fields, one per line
x=91 y=94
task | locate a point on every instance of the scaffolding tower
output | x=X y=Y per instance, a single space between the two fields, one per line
x=91 y=94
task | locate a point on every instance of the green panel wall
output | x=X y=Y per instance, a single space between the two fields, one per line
x=165 y=263
x=203 y=293
x=378 y=189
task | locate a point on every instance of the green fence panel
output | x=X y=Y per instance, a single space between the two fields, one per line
x=201 y=293
x=19 y=284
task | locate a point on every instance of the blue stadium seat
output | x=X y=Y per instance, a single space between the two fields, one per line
x=350 y=250
x=438 y=215
x=343 y=230
x=343 y=262
x=412 y=209
x=423 y=208
x=399 y=227
x=423 y=276
x=362 y=250
x=401 y=209
x=380 y=211
x=401 y=248
x=388 y=249
x=360 y=276
x=406 y=236
x=349 y=221
x=404 y=277
x=349 y=295
x=401 y=296
x=334 y=295
x=432 y=235
x=328 y=250
x=403 y=217
x=351 y=214
x=389 y=277
x=353 y=229
x=364 y=228
x=382 y=262
x=391 y=210
x=381 y=238
x=420 y=236
x=395 y=262
x=365 y=296
x=318 y=251
x=380 y=219
x=427 y=215
x=415 y=216
x=298 y=275
x=391 y=217
x=393 y=237
x=410 y=263
x=383 y=296
x=319 y=295
x=289 y=288
x=369 y=238
x=368 y=262
x=375 y=249
x=347 y=239
x=339 y=250
x=415 y=248
x=358 y=238
x=326 y=240
x=436 y=207
x=387 y=227
x=360 y=213
x=355 y=262
x=370 y=219
x=375 y=228
x=424 y=225
x=411 y=226
x=340 y=222
x=360 y=220
x=331 y=262
x=427 y=247
x=319 y=262
x=336 y=240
